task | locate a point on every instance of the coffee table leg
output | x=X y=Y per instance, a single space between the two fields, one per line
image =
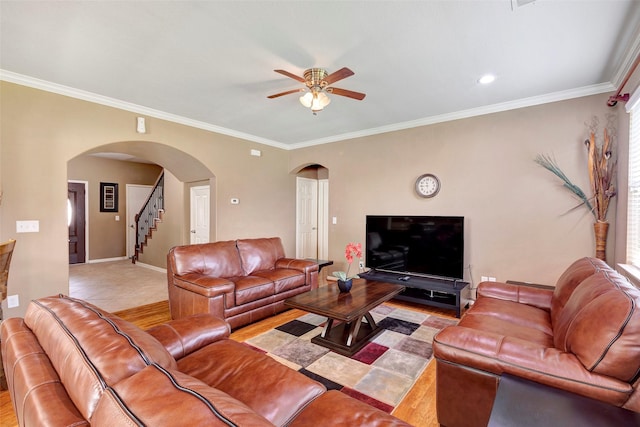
x=370 y=320
x=354 y=329
x=327 y=328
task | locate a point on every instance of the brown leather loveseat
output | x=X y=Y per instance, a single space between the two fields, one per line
x=241 y=281
x=69 y=363
x=583 y=337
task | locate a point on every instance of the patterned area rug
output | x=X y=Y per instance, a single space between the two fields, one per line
x=380 y=374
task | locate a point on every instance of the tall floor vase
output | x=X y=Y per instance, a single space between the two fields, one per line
x=601 y=228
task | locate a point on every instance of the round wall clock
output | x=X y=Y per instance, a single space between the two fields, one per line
x=427 y=185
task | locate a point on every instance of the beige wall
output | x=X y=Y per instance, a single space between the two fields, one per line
x=42 y=131
x=515 y=227
x=107 y=237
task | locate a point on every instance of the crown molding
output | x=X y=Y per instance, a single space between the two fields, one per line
x=35 y=83
x=465 y=114
x=20 y=79
x=632 y=53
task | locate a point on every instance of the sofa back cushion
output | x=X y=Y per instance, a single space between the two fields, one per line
x=600 y=325
x=89 y=348
x=260 y=254
x=217 y=259
x=570 y=279
x=177 y=400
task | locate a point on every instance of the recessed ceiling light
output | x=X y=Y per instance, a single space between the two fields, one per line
x=486 y=79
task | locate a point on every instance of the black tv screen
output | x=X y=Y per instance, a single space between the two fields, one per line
x=426 y=245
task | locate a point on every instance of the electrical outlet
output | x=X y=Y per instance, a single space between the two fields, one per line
x=361 y=265
x=484 y=278
x=492 y=279
x=13 y=301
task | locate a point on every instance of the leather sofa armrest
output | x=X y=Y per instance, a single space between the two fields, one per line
x=205 y=285
x=309 y=268
x=302 y=265
x=338 y=409
x=188 y=334
x=536 y=297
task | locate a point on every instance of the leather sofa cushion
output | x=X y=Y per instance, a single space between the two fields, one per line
x=273 y=390
x=217 y=259
x=504 y=328
x=569 y=281
x=260 y=254
x=514 y=315
x=606 y=341
x=253 y=288
x=283 y=278
x=177 y=400
x=90 y=348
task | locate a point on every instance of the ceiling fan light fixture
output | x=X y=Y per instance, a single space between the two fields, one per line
x=318 y=85
x=306 y=99
x=316 y=100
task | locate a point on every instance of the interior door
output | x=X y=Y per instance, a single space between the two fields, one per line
x=200 y=203
x=137 y=195
x=307 y=218
x=323 y=219
x=77 y=222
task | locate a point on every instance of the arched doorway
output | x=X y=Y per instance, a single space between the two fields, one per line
x=150 y=159
x=137 y=163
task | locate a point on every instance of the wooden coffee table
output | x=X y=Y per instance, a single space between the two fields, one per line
x=345 y=332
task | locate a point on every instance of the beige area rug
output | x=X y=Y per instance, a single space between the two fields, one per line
x=380 y=374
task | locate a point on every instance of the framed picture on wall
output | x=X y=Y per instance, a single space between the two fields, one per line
x=108 y=197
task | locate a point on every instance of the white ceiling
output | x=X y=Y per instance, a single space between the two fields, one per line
x=210 y=64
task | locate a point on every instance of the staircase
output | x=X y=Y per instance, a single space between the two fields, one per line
x=149 y=216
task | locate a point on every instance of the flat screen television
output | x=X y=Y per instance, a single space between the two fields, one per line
x=422 y=245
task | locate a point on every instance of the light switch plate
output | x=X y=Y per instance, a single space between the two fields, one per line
x=27 y=226
x=13 y=301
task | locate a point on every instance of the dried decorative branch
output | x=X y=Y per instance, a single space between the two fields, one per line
x=601 y=167
x=550 y=164
x=601 y=174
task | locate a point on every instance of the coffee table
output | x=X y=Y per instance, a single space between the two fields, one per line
x=345 y=332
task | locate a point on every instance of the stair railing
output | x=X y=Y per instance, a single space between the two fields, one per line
x=149 y=213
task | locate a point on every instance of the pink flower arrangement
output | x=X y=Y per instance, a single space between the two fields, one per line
x=352 y=250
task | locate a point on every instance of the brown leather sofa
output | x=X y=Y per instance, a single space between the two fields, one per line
x=241 y=281
x=583 y=337
x=68 y=363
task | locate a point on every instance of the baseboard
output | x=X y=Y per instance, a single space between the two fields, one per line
x=152 y=267
x=92 y=261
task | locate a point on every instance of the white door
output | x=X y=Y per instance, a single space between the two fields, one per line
x=136 y=196
x=323 y=219
x=307 y=218
x=200 y=214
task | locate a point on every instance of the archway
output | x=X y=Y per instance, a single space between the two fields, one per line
x=146 y=160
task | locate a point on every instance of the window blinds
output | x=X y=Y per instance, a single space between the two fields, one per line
x=633 y=209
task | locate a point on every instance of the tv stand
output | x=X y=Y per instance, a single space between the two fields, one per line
x=442 y=292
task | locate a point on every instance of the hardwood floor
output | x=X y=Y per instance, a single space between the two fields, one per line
x=418 y=407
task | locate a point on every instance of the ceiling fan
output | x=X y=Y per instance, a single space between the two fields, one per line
x=318 y=84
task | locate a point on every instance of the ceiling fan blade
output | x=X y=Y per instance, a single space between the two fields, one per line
x=291 y=75
x=348 y=93
x=342 y=73
x=285 y=93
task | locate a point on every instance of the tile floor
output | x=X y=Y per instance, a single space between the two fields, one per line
x=117 y=285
